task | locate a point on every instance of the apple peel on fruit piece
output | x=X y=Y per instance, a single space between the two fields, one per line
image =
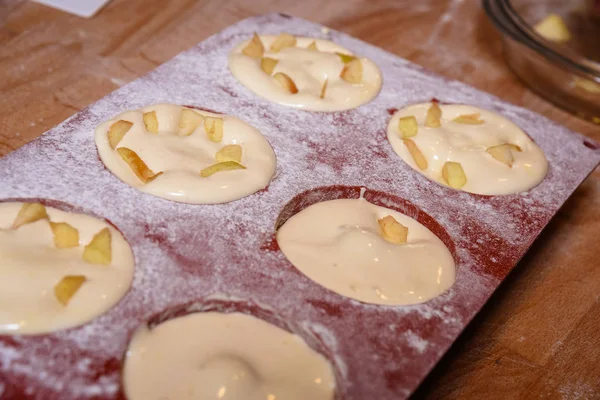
x=469 y=119
x=323 y=89
x=454 y=175
x=189 y=121
x=503 y=153
x=151 y=121
x=67 y=287
x=117 y=131
x=231 y=152
x=286 y=82
x=282 y=41
x=30 y=212
x=433 y=119
x=392 y=230
x=352 y=72
x=416 y=154
x=139 y=167
x=408 y=127
x=65 y=235
x=99 y=250
x=254 y=48
x=220 y=167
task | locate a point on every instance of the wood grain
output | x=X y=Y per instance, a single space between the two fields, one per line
x=538 y=336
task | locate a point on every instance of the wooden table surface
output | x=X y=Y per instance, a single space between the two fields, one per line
x=539 y=335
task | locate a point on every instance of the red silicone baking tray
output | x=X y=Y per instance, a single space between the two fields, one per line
x=198 y=257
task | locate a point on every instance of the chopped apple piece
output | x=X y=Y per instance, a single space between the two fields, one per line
x=254 y=48
x=503 y=153
x=587 y=85
x=139 y=167
x=189 y=121
x=151 y=121
x=392 y=230
x=30 y=212
x=352 y=72
x=268 y=65
x=323 y=89
x=282 y=41
x=219 y=167
x=434 y=116
x=214 y=128
x=345 y=58
x=67 y=287
x=99 y=250
x=286 y=82
x=65 y=235
x=117 y=131
x=416 y=154
x=469 y=119
x=231 y=152
x=408 y=127
x=454 y=175
x=313 y=46
x=553 y=28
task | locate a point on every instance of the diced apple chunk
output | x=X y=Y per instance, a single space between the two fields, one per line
x=469 y=119
x=65 y=235
x=454 y=175
x=346 y=58
x=214 y=128
x=503 y=153
x=408 y=127
x=434 y=116
x=553 y=28
x=189 y=121
x=139 y=167
x=286 y=82
x=30 y=212
x=220 y=167
x=352 y=71
x=282 y=41
x=323 y=89
x=99 y=250
x=67 y=287
x=268 y=65
x=117 y=131
x=254 y=48
x=416 y=154
x=231 y=152
x=392 y=230
x=313 y=46
x=151 y=121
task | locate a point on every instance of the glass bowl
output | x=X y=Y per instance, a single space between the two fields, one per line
x=567 y=74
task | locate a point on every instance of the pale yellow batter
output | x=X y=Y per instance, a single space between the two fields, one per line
x=339 y=245
x=181 y=158
x=308 y=69
x=31 y=265
x=467 y=145
x=213 y=355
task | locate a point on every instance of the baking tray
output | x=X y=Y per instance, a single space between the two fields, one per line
x=198 y=257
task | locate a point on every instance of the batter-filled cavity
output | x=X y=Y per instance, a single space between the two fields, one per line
x=367 y=252
x=467 y=148
x=303 y=72
x=186 y=155
x=213 y=355
x=58 y=269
